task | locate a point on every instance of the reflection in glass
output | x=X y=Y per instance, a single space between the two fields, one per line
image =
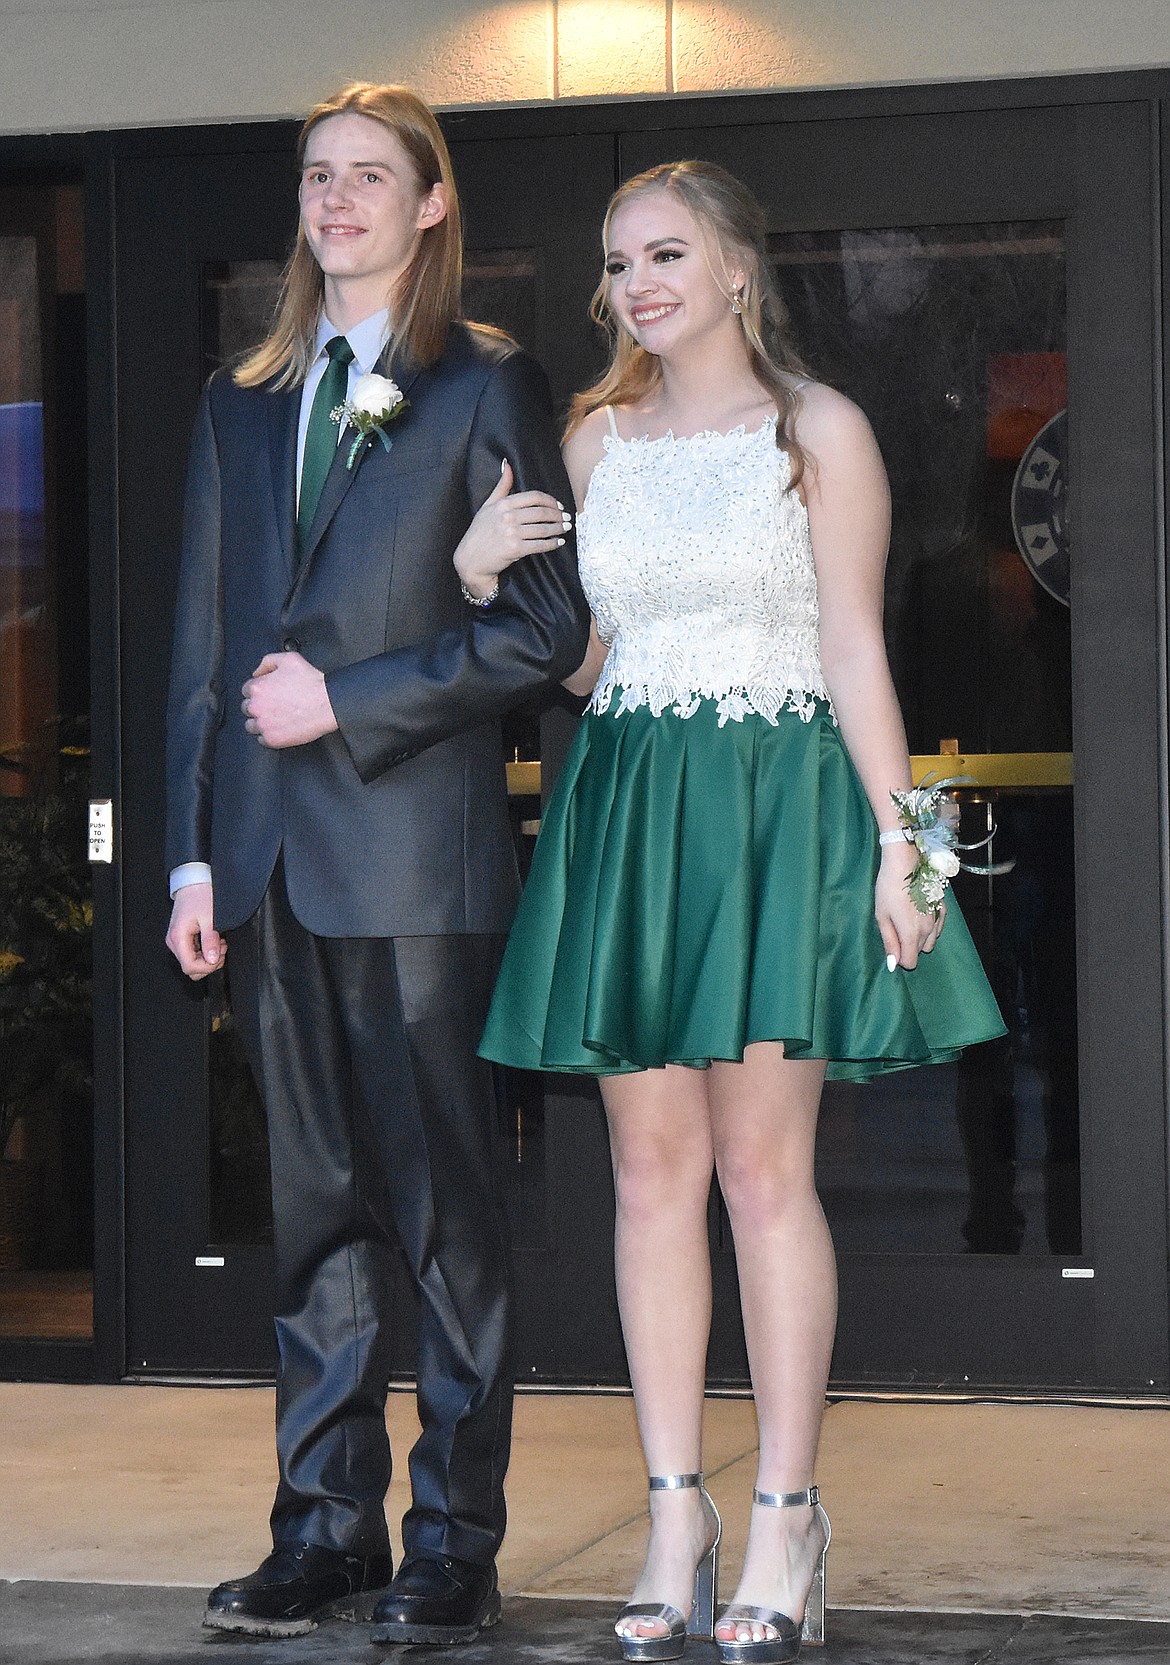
x=500 y=288
x=952 y=340
x=239 y=301
x=239 y=1193
x=46 y=912
x=27 y=641
x=521 y=1108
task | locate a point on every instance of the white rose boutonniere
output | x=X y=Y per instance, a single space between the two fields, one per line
x=376 y=401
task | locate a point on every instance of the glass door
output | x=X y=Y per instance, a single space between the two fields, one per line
x=46 y=895
x=980 y=281
x=201 y=277
x=969 y=281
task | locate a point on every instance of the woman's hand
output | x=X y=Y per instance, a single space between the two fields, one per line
x=506 y=529
x=905 y=931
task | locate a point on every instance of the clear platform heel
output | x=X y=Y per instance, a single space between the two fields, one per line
x=785 y=1644
x=701 y=1621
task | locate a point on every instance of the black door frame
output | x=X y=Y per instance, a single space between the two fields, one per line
x=987 y=1308
x=42 y=162
x=1115 y=1008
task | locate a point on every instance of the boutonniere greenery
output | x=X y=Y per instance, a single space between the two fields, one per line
x=376 y=402
x=930 y=821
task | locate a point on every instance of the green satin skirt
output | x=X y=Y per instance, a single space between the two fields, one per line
x=697 y=888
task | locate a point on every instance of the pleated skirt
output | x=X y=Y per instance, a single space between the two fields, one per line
x=695 y=889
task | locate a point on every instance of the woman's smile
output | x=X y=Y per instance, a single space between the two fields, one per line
x=651 y=314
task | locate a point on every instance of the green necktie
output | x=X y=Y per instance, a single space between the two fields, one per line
x=321 y=434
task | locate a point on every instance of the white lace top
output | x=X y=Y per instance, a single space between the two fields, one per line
x=698 y=566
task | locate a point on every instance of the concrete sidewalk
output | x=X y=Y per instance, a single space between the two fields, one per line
x=951 y=1524
x=74 y=1624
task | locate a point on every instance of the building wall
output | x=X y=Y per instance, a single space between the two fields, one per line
x=76 y=64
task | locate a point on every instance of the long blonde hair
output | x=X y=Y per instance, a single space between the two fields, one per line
x=734 y=230
x=426 y=298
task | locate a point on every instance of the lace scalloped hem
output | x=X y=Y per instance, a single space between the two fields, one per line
x=732 y=703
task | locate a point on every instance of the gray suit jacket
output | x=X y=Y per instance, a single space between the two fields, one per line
x=396 y=825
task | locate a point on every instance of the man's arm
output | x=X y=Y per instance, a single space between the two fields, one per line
x=394 y=705
x=194 y=707
x=191 y=935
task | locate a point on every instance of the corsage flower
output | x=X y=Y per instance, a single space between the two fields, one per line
x=376 y=401
x=930 y=821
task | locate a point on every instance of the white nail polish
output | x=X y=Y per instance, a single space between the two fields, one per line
x=891 y=962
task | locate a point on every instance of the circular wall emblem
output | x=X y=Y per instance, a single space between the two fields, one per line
x=1040 y=507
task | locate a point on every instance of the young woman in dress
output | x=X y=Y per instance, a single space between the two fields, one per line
x=711 y=922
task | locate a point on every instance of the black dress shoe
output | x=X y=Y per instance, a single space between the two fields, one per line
x=439 y=1602
x=294 y=1587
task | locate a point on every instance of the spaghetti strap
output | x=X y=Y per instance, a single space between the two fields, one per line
x=612 y=422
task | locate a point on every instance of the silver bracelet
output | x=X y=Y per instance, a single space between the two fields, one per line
x=480 y=600
x=896 y=835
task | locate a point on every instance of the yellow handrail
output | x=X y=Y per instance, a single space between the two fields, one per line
x=986 y=769
x=523 y=780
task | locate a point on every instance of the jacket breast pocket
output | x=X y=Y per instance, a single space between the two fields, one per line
x=392 y=476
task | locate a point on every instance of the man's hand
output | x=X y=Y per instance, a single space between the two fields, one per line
x=192 y=937
x=286 y=702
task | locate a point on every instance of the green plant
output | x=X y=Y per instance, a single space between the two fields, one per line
x=46 y=921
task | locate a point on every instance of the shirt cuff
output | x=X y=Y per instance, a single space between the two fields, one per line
x=190 y=873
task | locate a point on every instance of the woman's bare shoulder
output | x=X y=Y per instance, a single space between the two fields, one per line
x=827 y=422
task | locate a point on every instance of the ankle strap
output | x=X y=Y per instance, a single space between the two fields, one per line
x=675 y=1482
x=785 y=1500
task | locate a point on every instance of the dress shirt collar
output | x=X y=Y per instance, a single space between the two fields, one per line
x=367 y=339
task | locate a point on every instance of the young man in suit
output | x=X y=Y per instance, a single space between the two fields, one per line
x=337 y=827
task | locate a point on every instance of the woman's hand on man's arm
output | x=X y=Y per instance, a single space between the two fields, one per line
x=508 y=527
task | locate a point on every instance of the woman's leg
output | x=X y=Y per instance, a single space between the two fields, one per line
x=660 y=1143
x=764 y=1118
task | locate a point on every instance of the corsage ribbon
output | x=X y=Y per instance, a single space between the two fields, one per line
x=930 y=821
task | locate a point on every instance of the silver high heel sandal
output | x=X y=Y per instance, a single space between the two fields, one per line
x=785 y=1644
x=701 y=1621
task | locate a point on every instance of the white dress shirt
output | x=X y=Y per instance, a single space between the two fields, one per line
x=368 y=340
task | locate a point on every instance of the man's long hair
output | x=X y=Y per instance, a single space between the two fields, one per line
x=733 y=228
x=426 y=298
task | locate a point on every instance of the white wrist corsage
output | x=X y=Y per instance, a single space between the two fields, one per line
x=930 y=821
x=376 y=401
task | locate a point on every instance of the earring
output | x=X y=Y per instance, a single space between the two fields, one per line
x=736 y=296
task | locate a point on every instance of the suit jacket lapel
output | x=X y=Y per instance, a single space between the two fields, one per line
x=284 y=409
x=403 y=369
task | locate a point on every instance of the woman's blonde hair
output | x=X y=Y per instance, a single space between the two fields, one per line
x=426 y=298
x=734 y=230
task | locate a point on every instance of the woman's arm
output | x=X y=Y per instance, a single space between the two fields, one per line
x=395 y=704
x=510 y=526
x=848 y=500
x=582 y=452
x=583 y=679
